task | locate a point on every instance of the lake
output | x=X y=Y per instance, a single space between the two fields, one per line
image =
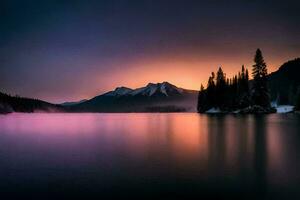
x=178 y=155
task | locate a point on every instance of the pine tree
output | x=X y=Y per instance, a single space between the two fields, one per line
x=220 y=89
x=260 y=94
x=211 y=91
x=247 y=80
x=202 y=103
x=235 y=94
x=243 y=89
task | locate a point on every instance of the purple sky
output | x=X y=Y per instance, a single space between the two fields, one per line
x=68 y=50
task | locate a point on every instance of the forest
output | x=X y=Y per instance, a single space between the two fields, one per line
x=10 y=103
x=238 y=93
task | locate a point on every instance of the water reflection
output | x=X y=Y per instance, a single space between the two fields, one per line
x=151 y=154
x=260 y=155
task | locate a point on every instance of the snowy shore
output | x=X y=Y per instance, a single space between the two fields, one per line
x=255 y=110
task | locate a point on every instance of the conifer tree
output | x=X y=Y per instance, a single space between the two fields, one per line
x=260 y=95
x=202 y=104
x=243 y=89
x=220 y=89
x=247 y=79
x=211 y=91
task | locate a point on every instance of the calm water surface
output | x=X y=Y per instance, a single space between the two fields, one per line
x=149 y=155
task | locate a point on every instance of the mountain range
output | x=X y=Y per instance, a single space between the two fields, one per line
x=154 y=97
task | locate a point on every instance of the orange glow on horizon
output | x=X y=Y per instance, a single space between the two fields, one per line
x=187 y=72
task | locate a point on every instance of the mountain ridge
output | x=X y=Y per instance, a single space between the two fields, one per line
x=285 y=82
x=154 y=97
x=148 y=90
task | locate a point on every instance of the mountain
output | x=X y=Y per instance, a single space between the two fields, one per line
x=158 y=89
x=159 y=97
x=71 y=103
x=21 y=104
x=285 y=82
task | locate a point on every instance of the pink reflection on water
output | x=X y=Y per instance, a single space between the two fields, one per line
x=43 y=123
x=190 y=143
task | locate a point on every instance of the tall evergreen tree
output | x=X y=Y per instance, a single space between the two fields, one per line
x=235 y=92
x=211 y=91
x=202 y=101
x=260 y=95
x=220 y=89
x=243 y=89
x=247 y=79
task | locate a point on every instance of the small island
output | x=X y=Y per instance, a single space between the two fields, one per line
x=238 y=94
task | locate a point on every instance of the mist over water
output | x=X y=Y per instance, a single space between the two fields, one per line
x=150 y=155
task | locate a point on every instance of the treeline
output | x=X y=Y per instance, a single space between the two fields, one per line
x=235 y=93
x=10 y=103
x=224 y=93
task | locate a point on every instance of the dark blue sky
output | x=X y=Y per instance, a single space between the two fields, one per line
x=68 y=50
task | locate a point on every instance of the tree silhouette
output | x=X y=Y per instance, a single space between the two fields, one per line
x=16 y=103
x=211 y=91
x=260 y=95
x=202 y=101
x=221 y=89
x=231 y=94
x=243 y=88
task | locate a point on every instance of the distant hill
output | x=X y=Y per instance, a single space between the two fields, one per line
x=285 y=81
x=72 y=103
x=20 y=104
x=159 y=97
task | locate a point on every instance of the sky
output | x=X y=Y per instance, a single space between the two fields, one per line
x=60 y=50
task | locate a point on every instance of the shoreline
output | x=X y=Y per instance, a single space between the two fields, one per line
x=219 y=113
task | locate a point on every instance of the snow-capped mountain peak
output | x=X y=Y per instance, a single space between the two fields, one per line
x=164 y=89
x=119 y=91
x=153 y=97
